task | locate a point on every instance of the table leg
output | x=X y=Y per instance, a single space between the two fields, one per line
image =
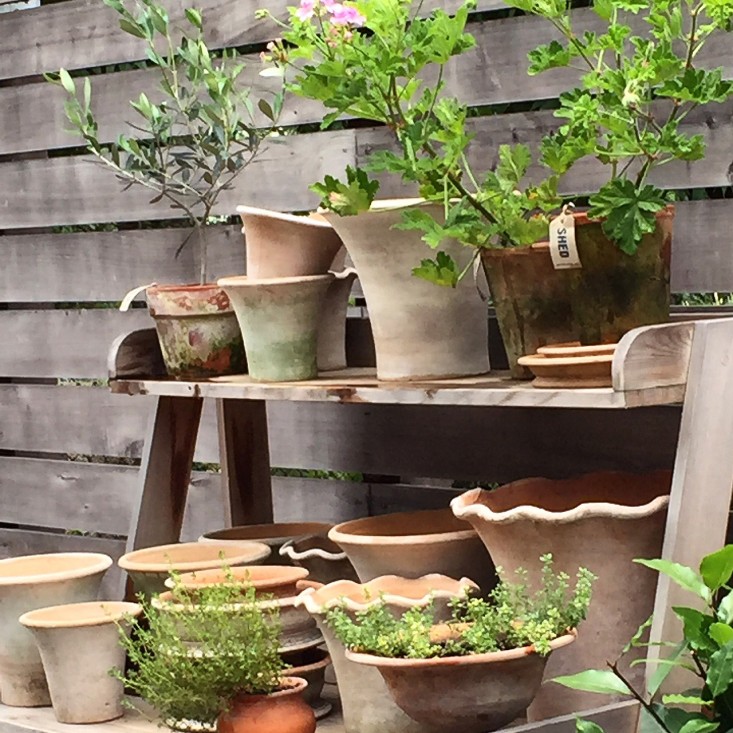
x=245 y=460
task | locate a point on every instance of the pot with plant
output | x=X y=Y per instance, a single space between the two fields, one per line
x=199 y=664
x=187 y=148
x=478 y=671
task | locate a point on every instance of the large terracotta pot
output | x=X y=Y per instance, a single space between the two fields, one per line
x=198 y=332
x=472 y=694
x=279 y=318
x=421 y=330
x=284 y=711
x=612 y=293
x=79 y=644
x=28 y=583
x=366 y=704
x=412 y=544
x=150 y=567
x=325 y=561
x=600 y=521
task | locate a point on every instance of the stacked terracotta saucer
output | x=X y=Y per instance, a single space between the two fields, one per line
x=571 y=366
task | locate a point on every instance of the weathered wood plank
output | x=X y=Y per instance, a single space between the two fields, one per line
x=455 y=443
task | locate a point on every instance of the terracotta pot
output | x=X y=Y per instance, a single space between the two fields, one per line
x=411 y=544
x=310 y=665
x=283 y=245
x=284 y=711
x=366 y=704
x=612 y=293
x=600 y=521
x=472 y=694
x=28 y=583
x=421 y=330
x=79 y=643
x=197 y=330
x=322 y=557
x=150 y=567
x=272 y=535
x=279 y=318
x=332 y=326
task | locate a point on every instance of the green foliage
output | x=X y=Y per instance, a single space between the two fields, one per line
x=196 y=135
x=706 y=652
x=190 y=658
x=636 y=90
x=512 y=617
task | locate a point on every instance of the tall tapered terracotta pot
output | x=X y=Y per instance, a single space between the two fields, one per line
x=601 y=521
x=26 y=584
x=421 y=330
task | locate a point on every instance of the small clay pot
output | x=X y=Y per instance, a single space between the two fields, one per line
x=325 y=561
x=150 y=567
x=284 y=711
x=310 y=665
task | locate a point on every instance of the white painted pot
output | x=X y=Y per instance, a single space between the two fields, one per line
x=26 y=584
x=79 y=643
x=421 y=330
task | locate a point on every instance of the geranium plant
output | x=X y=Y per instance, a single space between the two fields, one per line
x=385 y=62
x=641 y=78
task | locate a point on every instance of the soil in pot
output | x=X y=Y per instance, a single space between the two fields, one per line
x=26 y=584
x=79 y=643
x=284 y=711
x=600 y=521
x=322 y=557
x=197 y=330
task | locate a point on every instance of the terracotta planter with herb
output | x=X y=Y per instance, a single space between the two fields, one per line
x=198 y=331
x=611 y=294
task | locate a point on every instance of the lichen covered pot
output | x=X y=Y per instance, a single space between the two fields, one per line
x=26 y=584
x=279 y=318
x=284 y=711
x=472 y=694
x=322 y=557
x=600 y=521
x=150 y=567
x=411 y=544
x=197 y=330
x=79 y=643
x=421 y=330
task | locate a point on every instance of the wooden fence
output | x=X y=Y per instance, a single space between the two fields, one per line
x=61 y=443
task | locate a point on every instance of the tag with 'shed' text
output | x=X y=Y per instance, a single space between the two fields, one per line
x=563 y=248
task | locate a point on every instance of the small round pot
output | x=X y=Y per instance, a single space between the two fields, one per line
x=79 y=643
x=198 y=331
x=150 y=567
x=310 y=665
x=472 y=694
x=279 y=318
x=324 y=560
x=272 y=535
x=284 y=711
x=412 y=544
x=28 y=583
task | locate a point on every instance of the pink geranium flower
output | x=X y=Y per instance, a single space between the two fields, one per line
x=306 y=9
x=345 y=15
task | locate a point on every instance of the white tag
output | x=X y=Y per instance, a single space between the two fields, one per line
x=563 y=249
x=127 y=300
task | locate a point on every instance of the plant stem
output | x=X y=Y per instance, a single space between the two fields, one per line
x=647 y=706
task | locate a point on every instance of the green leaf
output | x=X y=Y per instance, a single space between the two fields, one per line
x=664 y=667
x=725 y=609
x=587 y=726
x=696 y=627
x=347 y=199
x=603 y=681
x=266 y=109
x=685 y=577
x=700 y=726
x=66 y=81
x=720 y=671
x=440 y=271
x=685 y=700
x=717 y=568
x=603 y=8
x=132 y=28
x=194 y=18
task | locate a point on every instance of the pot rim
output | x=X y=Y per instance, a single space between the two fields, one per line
x=287 y=550
x=38 y=618
x=298 y=684
x=323 y=662
x=183 y=287
x=531 y=360
x=292 y=576
x=393 y=599
x=306 y=219
x=165 y=599
x=99 y=563
x=248 y=552
x=380 y=206
x=507 y=655
x=237 y=281
x=267 y=527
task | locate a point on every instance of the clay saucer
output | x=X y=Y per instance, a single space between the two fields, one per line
x=573 y=348
x=569 y=372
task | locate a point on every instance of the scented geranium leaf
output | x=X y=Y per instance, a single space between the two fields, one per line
x=603 y=8
x=514 y=161
x=549 y=56
x=440 y=271
x=697 y=85
x=350 y=198
x=629 y=213
x=716 y=569
x=720 y=671
x=720 y=12
x=433 y=232
x=603 y=681
x=633 y=6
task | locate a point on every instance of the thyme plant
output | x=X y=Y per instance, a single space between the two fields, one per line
x=513 y=616
x=641 y=77
x=190 y=145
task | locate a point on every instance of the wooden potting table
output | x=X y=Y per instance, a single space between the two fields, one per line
x=688 y=364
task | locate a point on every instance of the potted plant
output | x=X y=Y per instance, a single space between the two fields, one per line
x=481 y=669
x=704 y=701
x=186 y=149
x=199 y=664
